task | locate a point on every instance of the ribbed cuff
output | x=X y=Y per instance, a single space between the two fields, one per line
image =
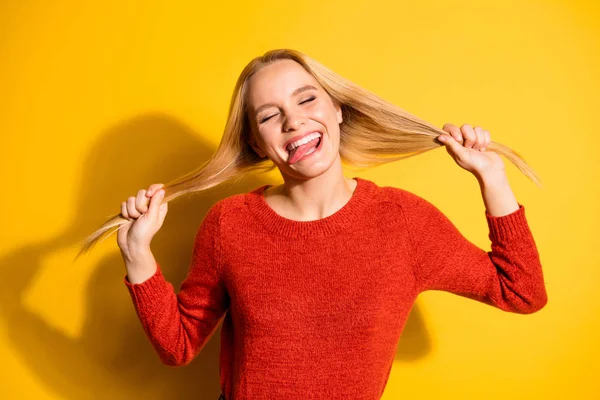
x=508 y=226
x=150 y=293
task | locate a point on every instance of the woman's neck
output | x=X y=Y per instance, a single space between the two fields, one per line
x=312 y=199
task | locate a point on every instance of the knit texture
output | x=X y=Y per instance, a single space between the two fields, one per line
x=315 y=309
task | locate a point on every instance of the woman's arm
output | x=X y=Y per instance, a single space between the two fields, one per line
x=509 y=277
x=179 y=325
x=497 y=195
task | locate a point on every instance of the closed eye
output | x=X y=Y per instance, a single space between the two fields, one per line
x=307 y=100
x=267 y=118
x=302 y=102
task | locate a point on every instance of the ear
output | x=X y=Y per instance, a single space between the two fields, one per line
x=338 y=112
x=255 y=147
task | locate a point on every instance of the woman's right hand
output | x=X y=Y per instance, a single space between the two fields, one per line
x=146 y=219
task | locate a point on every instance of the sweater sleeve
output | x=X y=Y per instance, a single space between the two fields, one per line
x=179 y=325
x=508 y=277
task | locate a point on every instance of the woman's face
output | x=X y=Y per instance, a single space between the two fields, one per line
x=285 y=102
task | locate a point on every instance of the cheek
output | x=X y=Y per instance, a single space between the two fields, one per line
x=257 y=139
x=325 y=115
x=269 y=138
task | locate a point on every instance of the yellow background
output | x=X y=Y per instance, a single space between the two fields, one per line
x=100 y=99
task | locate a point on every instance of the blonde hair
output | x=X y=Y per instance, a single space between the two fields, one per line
x=373 y=132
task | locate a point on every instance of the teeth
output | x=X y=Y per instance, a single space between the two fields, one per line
x=304 y=140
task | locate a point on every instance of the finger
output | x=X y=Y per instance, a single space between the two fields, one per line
x=448 y=126
x=453 y=147
x=468 y=134
x=162 y=211
x=124 y=210
x=488 y=139
x=153 y=188
x=141 y=202
x=479 y=138
x=133 y=212
x=155 y=201
x=454 y=131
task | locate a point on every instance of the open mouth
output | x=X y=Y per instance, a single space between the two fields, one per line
x=298 y=153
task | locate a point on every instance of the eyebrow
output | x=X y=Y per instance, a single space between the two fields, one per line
x=297 y=91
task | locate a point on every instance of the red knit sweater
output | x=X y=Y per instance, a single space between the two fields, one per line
x=316 y=308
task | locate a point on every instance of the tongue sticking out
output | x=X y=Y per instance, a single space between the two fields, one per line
x=299 y=152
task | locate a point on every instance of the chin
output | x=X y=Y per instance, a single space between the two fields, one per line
x=308 y=172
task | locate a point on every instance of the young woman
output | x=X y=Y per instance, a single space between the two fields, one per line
x=314 y=279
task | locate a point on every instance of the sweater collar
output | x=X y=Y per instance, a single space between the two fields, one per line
x=345 y=219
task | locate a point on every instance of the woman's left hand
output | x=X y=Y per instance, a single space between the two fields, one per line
x=471 y=154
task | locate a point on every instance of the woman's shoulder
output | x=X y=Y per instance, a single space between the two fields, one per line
x=397 y=195
x=234 y=208
x=228 y=205
x=408 y=201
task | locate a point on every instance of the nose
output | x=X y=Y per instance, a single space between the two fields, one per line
x=293 y=121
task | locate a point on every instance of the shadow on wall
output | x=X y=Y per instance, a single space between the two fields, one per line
x=112 y=358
